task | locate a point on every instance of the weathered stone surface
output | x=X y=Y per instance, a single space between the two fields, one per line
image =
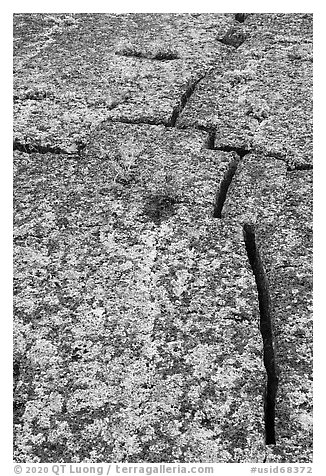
x=249 y=98
x=115 y=71
x=136 y=312
x=294 y=224
x=136 y=328
x=281 y=30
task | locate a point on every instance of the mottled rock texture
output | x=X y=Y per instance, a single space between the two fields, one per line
x=144 y=146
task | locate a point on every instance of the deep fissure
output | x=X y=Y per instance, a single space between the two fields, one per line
x=240 y=17
x=266 y=329
x=224 y=187
x=185 y=98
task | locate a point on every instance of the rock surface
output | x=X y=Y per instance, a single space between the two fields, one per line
x=144 y=145
x=260 y=97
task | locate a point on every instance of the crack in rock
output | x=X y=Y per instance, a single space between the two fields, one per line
x=48 y=149
x=224 y=187
x=239 y=150
x=185 y=98
x=240 y=17
x=159 y=56
x=266 y=330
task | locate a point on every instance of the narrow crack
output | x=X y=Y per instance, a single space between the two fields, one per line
x=266 y=331
x=224 y=187
x=165 y=56
x=158 y=56
x=239 y=150
x=240 y=17
x=140 y=121
x=210 y=144
x=48 y=149
x=185 y=98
